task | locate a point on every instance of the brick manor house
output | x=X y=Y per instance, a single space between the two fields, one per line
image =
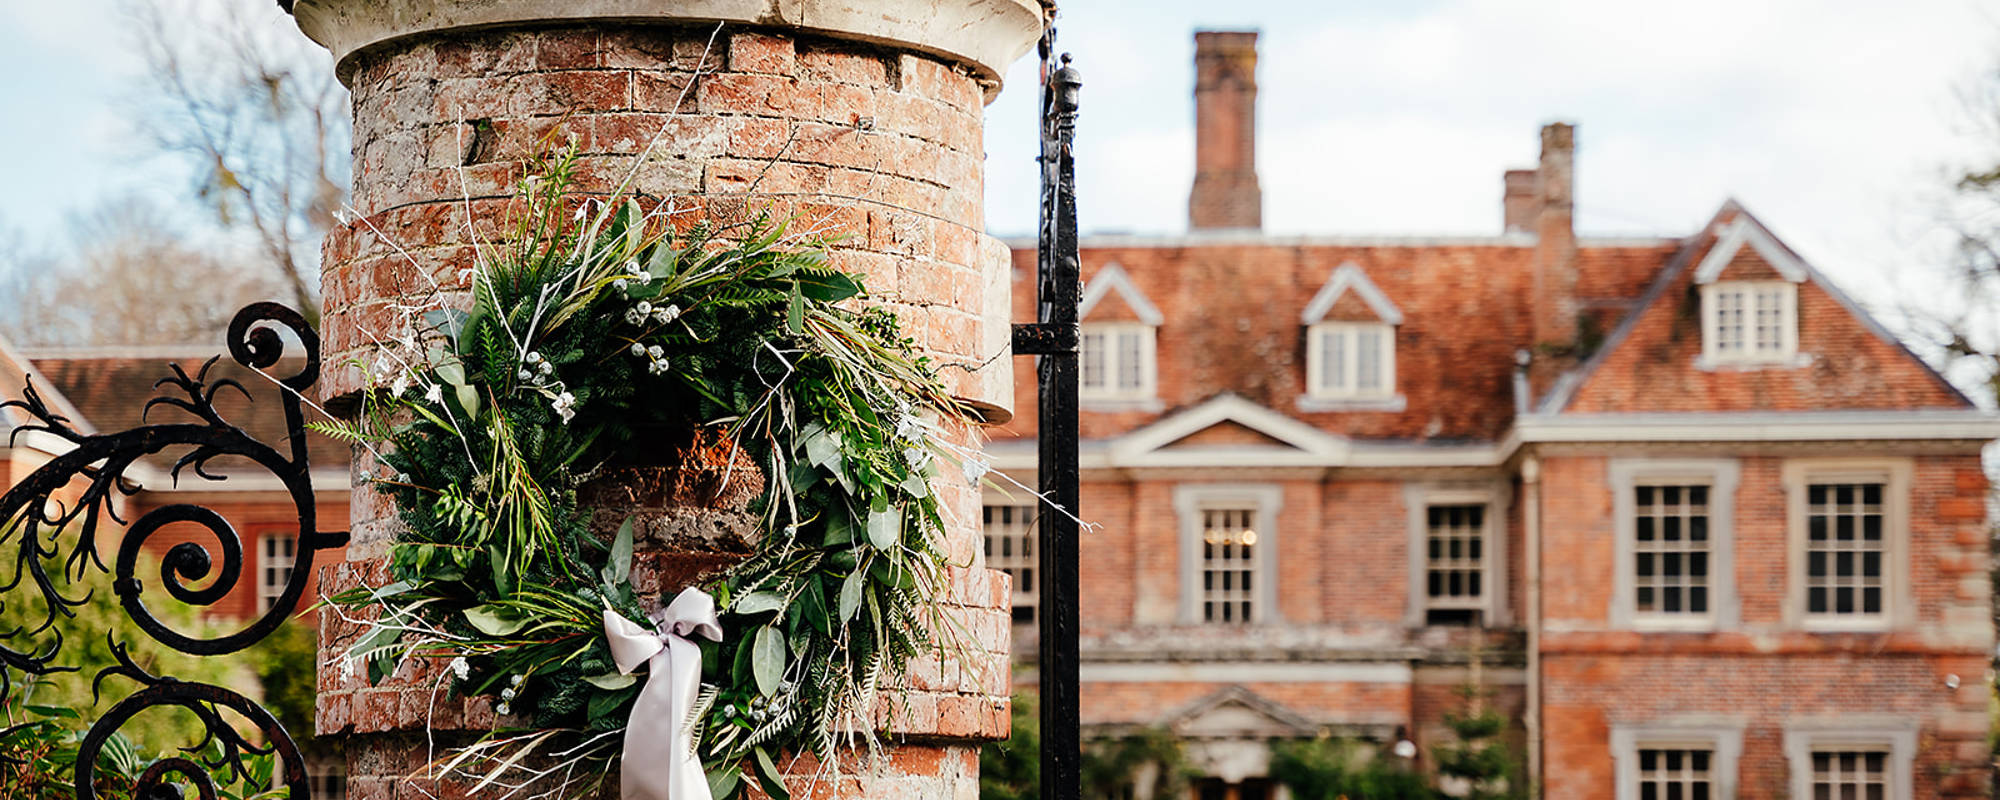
x=1698 y=524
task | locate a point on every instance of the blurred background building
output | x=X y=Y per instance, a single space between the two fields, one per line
x=1674 y=507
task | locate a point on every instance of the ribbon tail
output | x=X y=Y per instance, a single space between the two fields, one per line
x=659 y=762
x=686 y=778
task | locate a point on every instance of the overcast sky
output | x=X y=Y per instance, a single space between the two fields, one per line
x=1832 y=120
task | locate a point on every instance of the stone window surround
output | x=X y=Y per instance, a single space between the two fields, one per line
x=1418 y=497
x=268 y=592
x=1723 y=735
x=1897 y=734
x=1030 y=531
x=1382 y=395
x=1898 y=603
x=1787 y=354
x=1109 y=396
x=1189 y=501
x=1721 y=475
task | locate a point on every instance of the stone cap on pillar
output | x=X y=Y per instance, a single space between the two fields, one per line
x=983 y=35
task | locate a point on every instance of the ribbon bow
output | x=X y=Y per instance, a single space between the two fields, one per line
x=659 y=761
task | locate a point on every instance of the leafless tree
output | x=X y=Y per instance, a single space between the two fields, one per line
x=252 y=108
x=1957 y=310
x=128 y=275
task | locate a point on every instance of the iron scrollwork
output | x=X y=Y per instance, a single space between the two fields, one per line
x=37 y=513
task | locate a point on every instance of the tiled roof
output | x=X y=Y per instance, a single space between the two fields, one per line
x=1232 y=306
x=110 y=388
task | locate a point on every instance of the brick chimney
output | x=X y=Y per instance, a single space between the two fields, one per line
x=861 y=117
x=1521 y=201
x=1225 y=132
x=1555 y=310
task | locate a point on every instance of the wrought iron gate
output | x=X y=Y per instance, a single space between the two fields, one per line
x=1054 y=338
x=46 y=508
x=39 y=514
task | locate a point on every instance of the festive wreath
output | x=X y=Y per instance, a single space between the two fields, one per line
x=592 y=326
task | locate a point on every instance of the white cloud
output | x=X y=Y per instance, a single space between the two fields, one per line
x=1827 y=118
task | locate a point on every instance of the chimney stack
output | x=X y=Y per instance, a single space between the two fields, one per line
x=1521 y=202
x=1555 y=237
x=1225 y=132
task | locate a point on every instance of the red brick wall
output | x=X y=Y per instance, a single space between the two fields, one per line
x=253 y=517
x=1852 y=367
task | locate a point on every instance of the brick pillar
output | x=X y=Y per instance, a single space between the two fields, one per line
x=1555 y=310
x=1225 y=191
x=863 y=117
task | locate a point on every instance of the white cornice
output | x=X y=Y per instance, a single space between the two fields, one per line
x=1114 y=278
x=1741 y=232
x=1350 y=276
x=1760 y=426
x=1311 y=447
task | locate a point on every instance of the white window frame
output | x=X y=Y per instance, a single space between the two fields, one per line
x=1029 y=532
x=1316 y=377
x=268 y=594
x=1721 y=736
x=1192 y=499
x=1898 y=604
x=1788 y=323
x=1853 y=732
x=1721 y=476
x=1417 y=500
x=1113 y=363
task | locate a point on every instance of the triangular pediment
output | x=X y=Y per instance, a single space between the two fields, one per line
x=1230 y=422
x=1349 y=279
x=1227 y=434
x=1112 y=292
x=1764 y=259
x=1236 y=713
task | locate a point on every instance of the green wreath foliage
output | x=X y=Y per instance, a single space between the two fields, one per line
x=591 y=329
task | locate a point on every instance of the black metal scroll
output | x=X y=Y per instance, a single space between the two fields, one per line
x=35 y=518
x=1053 y=337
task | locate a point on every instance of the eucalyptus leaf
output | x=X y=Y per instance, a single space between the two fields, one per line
x=822 y=446
x=720 y=784
x=759 y=602
x=850 y=594
x=468 y=399
x=767 y=659
x=493 y=619
x=451 y=371
x=885 y=528
x=620 y=568
x=769 y=778
x=611 y=681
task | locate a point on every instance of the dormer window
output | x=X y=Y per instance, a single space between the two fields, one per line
x=1350 y=328
x=1749 y=321
x=1351 y=360
x=1749 y=299
x=1117 y=361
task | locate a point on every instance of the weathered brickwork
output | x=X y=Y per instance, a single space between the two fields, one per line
x=1492 y=337
x=873 y=147
x=877 y=148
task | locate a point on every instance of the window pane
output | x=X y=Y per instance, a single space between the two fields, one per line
x=1845 y=549
x=1367 y=360
x=1456 y=550
x=1229 y=538
x=1009 y=532
x=1333 y=360
x=1131 y=361
x=1670 y=550
x=1093 y=375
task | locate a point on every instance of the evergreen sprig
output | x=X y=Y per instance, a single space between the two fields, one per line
x=594 y=327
